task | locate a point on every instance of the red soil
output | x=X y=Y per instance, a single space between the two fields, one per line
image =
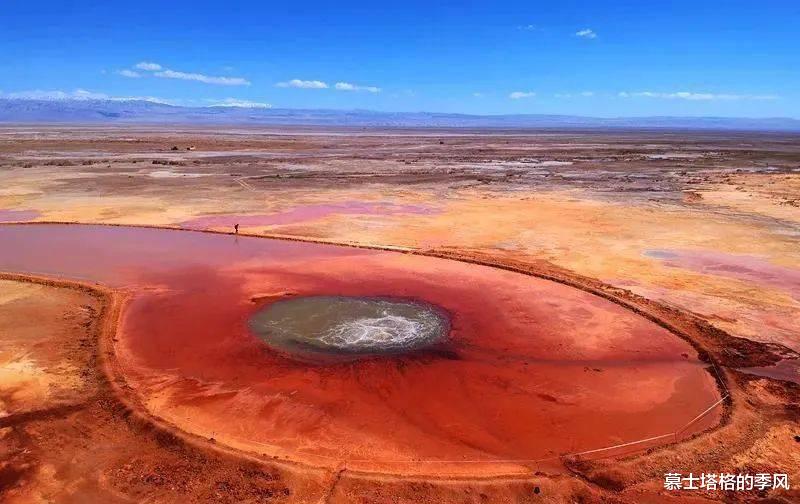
x=532 y=369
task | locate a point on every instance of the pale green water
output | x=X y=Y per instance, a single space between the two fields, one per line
x=339 y=325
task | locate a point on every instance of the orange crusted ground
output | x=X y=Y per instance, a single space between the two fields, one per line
x=658 y=257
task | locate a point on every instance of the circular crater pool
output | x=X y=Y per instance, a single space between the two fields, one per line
x=349 y=326
x=533 y=370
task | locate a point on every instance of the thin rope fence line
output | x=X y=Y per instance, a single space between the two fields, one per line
x=719 y=379
x=621 y=445
x=701 y=415
x=520 y=461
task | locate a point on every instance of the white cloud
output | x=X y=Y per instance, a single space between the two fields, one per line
x=586 y=33
x=148 y=66
x=516 y=95
x=303 y=84
x=207 y=79
x=129 y=73
x=235 y=102
x=165 y=73
x=587 y=93
x=686 y=95
x=528 y=27
x=346 y=86
x=477 y=95
x=78 y=95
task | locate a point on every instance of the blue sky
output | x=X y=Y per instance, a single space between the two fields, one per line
x=602 y=58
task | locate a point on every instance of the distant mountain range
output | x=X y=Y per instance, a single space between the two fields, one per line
x=139 y=111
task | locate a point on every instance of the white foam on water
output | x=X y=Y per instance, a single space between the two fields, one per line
x=388 y=331
x=355 y=325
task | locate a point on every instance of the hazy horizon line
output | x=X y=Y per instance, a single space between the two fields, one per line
x=377 y=111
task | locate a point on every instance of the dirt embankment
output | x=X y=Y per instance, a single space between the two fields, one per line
x=98 y=447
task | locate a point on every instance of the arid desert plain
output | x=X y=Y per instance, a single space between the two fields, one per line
x=599 y=309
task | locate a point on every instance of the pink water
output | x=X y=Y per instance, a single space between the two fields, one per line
x=741 y=267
